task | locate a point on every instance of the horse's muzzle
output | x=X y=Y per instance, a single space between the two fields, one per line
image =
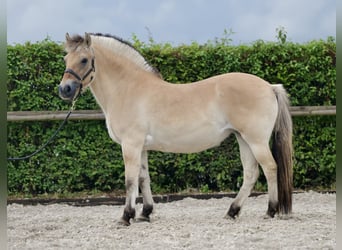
x=69 y=90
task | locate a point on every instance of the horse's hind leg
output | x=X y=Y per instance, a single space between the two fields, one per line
x=144 y=183
x=265 y=158
x=250 y=175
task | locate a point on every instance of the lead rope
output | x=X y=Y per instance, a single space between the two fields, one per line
x=51 y=138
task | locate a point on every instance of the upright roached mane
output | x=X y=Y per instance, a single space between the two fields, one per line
x=116 y=44
x=143 y=112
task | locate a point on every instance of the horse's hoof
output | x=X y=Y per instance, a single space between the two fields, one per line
x=267 y=217
x=228 y=217
x=233 y=212
x=123 y=222
x=142 y=218
x=285 y=216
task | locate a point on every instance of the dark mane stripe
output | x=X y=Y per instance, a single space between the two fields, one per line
x=116 y=38
x=119 y=39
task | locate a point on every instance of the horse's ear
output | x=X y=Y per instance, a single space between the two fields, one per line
x=87 y=39
x=68 y=42
x=67 y=37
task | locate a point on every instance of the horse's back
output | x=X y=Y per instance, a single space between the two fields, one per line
x=235 y=94
x=195 y=116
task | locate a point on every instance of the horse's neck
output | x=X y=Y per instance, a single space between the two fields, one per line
x=114 y=77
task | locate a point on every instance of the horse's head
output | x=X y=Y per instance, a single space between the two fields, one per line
x=80 y=66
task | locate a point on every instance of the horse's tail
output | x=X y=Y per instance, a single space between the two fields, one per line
x=282 y=150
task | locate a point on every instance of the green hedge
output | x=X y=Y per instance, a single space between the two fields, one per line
x=83 y=157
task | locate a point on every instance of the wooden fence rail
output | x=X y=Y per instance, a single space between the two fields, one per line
x=98 y=115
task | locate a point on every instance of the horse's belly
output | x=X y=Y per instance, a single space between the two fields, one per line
x=190 y=142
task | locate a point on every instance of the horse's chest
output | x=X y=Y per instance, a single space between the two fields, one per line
x=112 y=133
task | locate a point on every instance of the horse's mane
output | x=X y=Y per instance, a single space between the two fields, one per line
x=117 y=45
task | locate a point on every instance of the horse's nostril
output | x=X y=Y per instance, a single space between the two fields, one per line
x=67 y=89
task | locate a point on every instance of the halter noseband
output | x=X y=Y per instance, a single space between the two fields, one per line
x=81 y=79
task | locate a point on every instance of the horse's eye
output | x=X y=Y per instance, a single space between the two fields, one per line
x=84 y=60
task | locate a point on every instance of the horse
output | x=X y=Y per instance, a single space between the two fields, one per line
x=143 y=112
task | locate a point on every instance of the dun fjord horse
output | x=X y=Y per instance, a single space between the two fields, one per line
x=143 y=112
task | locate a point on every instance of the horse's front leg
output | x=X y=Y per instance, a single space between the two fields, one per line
x=145 y=187
x=132 y=159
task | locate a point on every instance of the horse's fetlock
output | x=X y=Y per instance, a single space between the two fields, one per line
x=147 y=210
x=129 y=213
x=273 y=208
x=234 y=211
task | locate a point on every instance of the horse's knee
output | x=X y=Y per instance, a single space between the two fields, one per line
x=143 y=181
x=132 y=186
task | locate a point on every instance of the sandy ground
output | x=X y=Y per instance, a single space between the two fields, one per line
x=186 y=224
